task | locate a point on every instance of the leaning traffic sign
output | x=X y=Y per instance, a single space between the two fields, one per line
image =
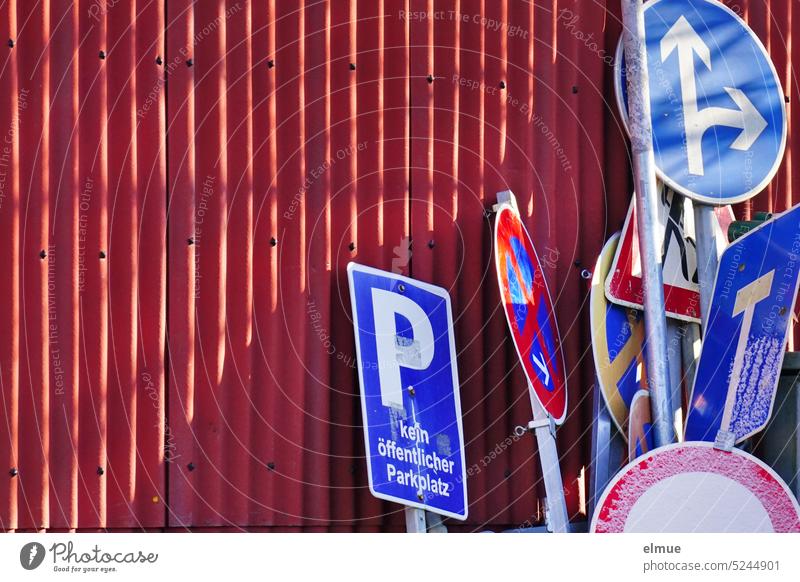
x=717 y=107
x=617 y=344
x=676 y=234
x=529 y=312
x=409 y=391
x=749 y=324
x=695 y=488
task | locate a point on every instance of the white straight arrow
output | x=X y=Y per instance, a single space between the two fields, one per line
x=683 y=38
x=746 y=299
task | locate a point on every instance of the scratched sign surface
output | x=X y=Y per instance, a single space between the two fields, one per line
x=410 y=402
x=743 y=347
x=695 y=488
x=529 y=312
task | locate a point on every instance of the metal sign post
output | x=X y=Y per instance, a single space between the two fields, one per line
x=543 y=426
x=707 y=257
x=641 y=132
x=675 y=332
x=415 y=520
x=608 y=450
x=534 y=331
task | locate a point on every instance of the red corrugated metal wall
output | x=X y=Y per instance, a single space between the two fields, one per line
x=83 y=259
x=181 y=188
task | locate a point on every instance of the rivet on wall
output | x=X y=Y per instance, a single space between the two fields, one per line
x=102 y=55
x=273 y=241
x=190 y=466
x=271 y=466
x=190 y=241
x=159 y=60
x=352 y=66
x=270 y=63
x=11 y=43
x=100 y=471
x=430 y=78
x=13 y=472
x=102 y=254
x=352 y=246
x=502 y=84
x=189 y=62
x=43 y=254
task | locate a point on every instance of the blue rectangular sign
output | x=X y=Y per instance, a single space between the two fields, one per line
x=745 y=340
x=409 y=391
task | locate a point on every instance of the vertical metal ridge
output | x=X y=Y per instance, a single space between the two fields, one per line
x=208 y=426
x=152 y=441
x=93 y=305
x=10 y=113
x=181 y=266
x=62 y=263
x=265 y=244
x=34 y=410
x=285 y=361
x=318 y=70
x=121 y=255
x=239 y=458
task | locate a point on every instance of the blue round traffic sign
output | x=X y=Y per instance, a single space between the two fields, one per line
x=717 y=106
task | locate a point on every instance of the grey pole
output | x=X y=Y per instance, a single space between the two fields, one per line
x=690 y=354
x=543 y=427
x=707 y=257
x=415 y=520
x=608 y=451
x=641 y=131
x=675 y=333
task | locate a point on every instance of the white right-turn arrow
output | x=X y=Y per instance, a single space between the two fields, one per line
x=683 y=39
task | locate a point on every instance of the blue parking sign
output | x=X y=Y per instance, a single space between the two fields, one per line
x=409 y=391
x=717 y=106
x=749 y=324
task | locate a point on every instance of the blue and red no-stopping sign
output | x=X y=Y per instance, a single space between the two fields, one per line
x=529 y=311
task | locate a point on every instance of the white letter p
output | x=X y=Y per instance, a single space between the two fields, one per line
x=396 y=351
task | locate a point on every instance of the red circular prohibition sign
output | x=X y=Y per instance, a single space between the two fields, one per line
x=529 y=312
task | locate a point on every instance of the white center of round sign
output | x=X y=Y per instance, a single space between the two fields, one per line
x=693 y=487
x=698 y=502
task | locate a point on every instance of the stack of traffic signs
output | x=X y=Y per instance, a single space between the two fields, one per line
x=719 y=133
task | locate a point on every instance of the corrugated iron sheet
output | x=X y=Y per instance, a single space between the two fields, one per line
x=82 y=211
x=181 y=188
